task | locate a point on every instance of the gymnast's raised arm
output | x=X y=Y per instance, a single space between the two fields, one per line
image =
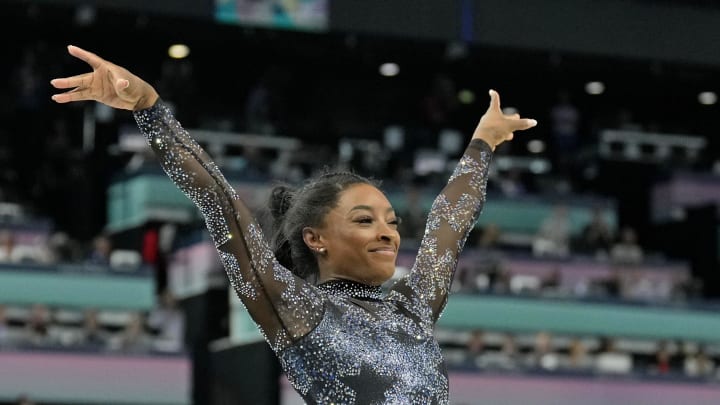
x=284 y=306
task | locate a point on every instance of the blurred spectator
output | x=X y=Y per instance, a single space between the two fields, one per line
x=661 y=364
x=608 y=287
x=133 y=338
x=441 y=103
x=578 y=358
x=553 y=237
x=100 y=251
x=552 y=284
x=439 y=110
x=511 y=184
x=12 y=252
x=476 y=343
x=413 y=215
x=542 y=355
x=699 y=364
x=92 y=335
x=596 y=237
x=62 y=248
x=487 y=271
x=627 y=250
x=610 y=360
x=37 y=326
x=7 y=246
x=688 y=289
x=564 y=127
x=266 y=108
x=504 y=359
x=168 y=320
x=151 y=246
x=255 y=165
x=28 y=81
x=4 y=334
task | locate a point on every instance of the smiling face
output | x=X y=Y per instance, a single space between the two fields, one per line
x=359 y=237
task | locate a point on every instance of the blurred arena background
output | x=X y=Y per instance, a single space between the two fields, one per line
x=593 y=276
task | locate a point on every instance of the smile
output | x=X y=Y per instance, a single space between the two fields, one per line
x=387 y=251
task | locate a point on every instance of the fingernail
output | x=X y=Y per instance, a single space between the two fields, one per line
x=533 y=122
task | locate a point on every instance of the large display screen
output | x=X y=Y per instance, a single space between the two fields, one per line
x=305 y=15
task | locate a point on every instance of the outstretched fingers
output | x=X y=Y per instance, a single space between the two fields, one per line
x=88 y=57
x=495 y=102
x=81 y=81
x=523 y=123
x=514 y=121
x=72 y=95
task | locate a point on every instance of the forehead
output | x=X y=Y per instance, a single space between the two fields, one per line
x=363 y=195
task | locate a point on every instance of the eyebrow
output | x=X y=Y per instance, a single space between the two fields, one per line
x=368 y=208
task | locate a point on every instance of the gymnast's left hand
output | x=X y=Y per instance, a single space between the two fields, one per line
x=495 y=127
x=108 y=83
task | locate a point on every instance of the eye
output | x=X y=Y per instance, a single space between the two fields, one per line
x=395 y=222
x=364 y=220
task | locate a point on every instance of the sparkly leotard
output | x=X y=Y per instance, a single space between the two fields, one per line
x=338 y=342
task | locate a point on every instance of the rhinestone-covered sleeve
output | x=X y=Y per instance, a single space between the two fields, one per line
x=284 y=306
x=451 y=218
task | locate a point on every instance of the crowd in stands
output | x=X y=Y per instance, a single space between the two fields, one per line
x=541 y=351
x=42 y=327
x=490 y=268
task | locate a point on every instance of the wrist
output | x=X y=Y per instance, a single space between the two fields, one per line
x=482 y=144
x=489 y=140
x=146 y=101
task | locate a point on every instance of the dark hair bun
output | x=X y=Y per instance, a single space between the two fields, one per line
x=280 y=200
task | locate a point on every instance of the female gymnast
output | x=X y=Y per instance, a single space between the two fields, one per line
x=314 y=287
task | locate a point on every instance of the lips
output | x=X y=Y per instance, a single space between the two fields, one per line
x=385 y=250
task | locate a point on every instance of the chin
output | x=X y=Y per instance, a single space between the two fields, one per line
x=380 y=276
x=386 y=275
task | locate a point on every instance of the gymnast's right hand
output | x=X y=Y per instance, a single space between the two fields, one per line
x=108 y=83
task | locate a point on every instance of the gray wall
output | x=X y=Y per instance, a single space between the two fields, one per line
x=664 y=31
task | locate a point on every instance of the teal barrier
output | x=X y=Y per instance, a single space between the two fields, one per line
x=76 y=289
x=138 y=199
x=515 y=314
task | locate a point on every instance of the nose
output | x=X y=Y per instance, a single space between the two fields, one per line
x=386 y=233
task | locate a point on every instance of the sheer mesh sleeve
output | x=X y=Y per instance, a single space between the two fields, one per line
x=451 y=218
x=284 y=306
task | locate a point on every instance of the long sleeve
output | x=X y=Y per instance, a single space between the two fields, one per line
x=451 y=218
x=284 y=306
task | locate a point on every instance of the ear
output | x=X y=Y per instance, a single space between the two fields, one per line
x=312 y=239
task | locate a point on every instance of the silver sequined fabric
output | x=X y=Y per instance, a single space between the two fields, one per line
x=340 y=342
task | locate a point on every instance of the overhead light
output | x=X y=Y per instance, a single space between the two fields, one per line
x=466 y=96
x=539 y=166
x=595 y=88
x=707 y=98
x=178 y=51
x=85 y=15
x=536 y=146
x=389 y=69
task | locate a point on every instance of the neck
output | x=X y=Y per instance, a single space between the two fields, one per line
x=353 y=289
